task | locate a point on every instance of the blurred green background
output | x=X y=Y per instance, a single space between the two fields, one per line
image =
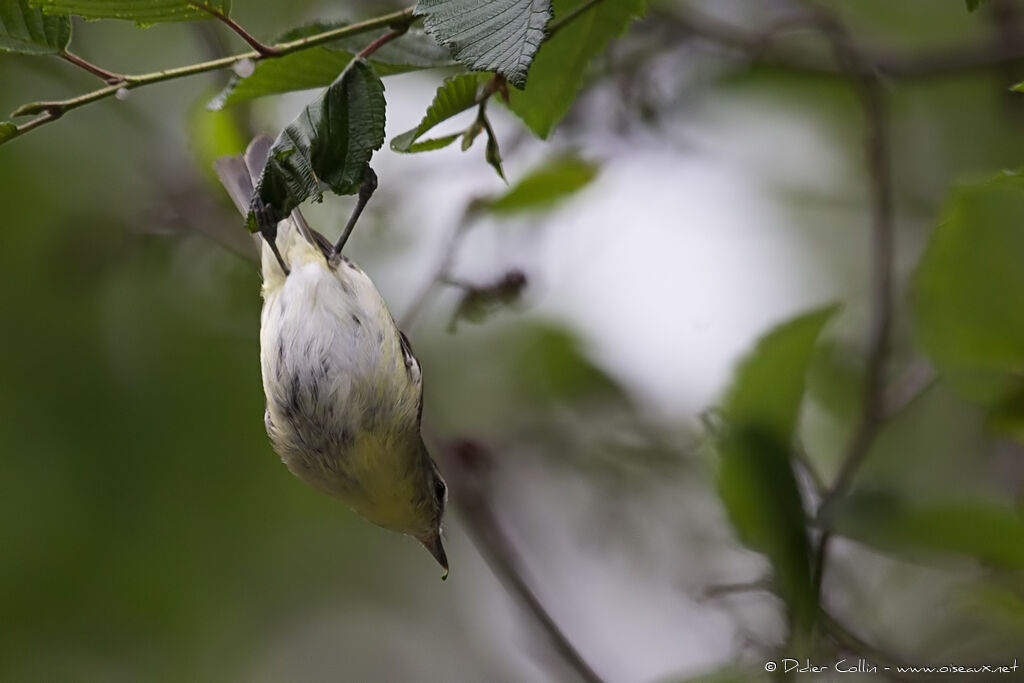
x=149 y=533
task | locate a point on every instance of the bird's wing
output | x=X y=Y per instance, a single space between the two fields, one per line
x=412 y=365
x=234 y=176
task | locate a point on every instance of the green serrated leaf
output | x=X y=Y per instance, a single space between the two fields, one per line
x=489 y=35
x=456 y=95
x=318 y=67
x=981 y=530
x=546 y=185
x=755 y=480
x=139 y=11
x=27 y=30
x=327 y=146
x=7 y=131
x=974 y=338
x=558 y=71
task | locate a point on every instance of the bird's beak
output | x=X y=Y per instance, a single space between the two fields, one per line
x=433 y=544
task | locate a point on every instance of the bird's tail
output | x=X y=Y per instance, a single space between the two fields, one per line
x=238 y=174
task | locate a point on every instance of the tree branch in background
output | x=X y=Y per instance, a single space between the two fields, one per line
x=764 y=47
x=879 y=174
x=468 y=468
x=871 y=96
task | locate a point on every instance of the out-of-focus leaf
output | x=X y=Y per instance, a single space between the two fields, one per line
x=139 y=11
x=989 y=533
x=968 y=291
x=835 y=378
x=558 y=71
x=974 y=4
x=755 y=480
x=456 y=95
x=546 y=185
x=213 y=134
x=1001 y=602
x=553 y=365
x=328 y=145
x=480 y=301
x=28 y=31
x=7 y=130
x=318 y=67
x=1007 y=416
x=489 y=35
x=766 y=392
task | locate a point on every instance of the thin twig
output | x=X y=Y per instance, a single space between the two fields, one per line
x=869 y=92
x=53 y=109
x=854 y=644
x=879 y=170
x=468 y=474
x=108 y=76
x=442 y=272
x=382 y=41
x=261 y=47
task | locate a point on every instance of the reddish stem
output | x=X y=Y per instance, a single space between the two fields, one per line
x=108 y=76
x=383 y=40
x=261 y=47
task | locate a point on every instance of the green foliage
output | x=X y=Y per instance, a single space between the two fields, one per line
x=456 y=95
x=489 y=35
x=213 y=135
x=974 y=4
x=329 y=144
x=546 y=185
x=7 y=130
x=756 y=480
x=968 y=291
x=769 y=384
x=989 y=533
x=28 y=31
x=318 y=67
x=560 y=66
x=553 y=366
x=139 y=11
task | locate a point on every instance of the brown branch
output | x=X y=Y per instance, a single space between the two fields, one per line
x=52 y=110
x=851 y=643
x=468 y=472
x=382 y=41
x=879 y=171
x=262 y=48
x=108 y=76
x=764 y=47
x=868 y=88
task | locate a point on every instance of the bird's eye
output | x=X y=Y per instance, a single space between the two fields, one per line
x=440 y=490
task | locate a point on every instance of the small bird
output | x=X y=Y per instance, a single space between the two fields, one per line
x=344 y=392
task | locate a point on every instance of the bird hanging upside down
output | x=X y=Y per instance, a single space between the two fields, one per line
x=344 y=392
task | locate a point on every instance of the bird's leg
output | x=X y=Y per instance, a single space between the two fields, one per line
x=366 y=189
x=268 y=230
